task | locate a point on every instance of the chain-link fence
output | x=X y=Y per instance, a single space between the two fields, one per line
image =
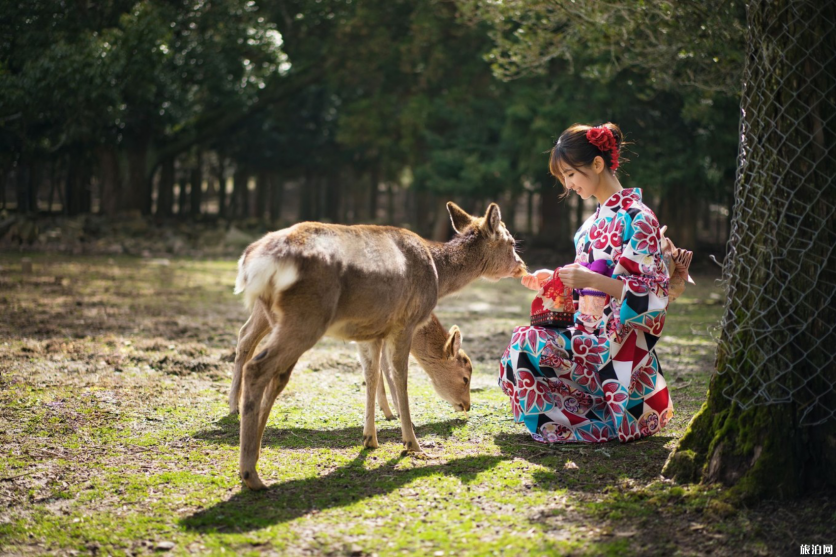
x=779 y=329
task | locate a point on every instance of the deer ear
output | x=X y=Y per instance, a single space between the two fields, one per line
x=458 y=216
x=493 y=219
x=454 y=343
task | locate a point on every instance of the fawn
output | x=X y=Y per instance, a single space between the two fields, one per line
x=438 y=352
x=364 y=283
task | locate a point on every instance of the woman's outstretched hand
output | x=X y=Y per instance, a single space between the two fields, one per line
x=535 y=280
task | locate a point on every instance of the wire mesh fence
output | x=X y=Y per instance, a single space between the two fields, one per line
x=778 y=332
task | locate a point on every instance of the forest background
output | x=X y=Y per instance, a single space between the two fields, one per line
x=264 y=114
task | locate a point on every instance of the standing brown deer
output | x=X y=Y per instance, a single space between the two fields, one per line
x=438 y=352
x=365 y=283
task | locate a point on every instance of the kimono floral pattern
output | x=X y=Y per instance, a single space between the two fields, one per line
x=600 y=379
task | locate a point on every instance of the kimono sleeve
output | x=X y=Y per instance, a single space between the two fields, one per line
x=644 y=299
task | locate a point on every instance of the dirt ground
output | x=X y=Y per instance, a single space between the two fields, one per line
x=115 y=438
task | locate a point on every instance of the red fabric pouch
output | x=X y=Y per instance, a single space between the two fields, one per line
x=553 y=305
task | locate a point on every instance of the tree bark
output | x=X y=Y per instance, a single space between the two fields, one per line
x=554 y=221
x=332 y=197
x=262 y=190
x=276 y=198
x=221 y=177
x=196 y=185
x=23 y=183
x=74 y=185
x=442 y=227
x=182 y=195
x=165 y=196
x=778 y=337
x=137 y=194
x=240 y=193
x=306 y=197
x=374 y=182
x=111 y=181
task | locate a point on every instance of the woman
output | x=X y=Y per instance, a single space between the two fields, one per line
x=599 y=379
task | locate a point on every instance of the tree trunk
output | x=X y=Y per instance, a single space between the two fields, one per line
x=182 y=194
x=554 y=221
x=73 y=185
x=778 y=329
x=137 y=195
x=390 y=204
x=374 y=182
x=332 y=197
x=529 y=214
x=111 y=181
x=442 y=227
x=679 y=211
x=306 y=196
x=4 y=174
x=196 y=187
x=240 y=193
x=23 y=183
x=221 y=176
x=165 y=196
x=262 y=190
x=276 y=198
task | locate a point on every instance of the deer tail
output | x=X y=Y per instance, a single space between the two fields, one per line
x=264 y=276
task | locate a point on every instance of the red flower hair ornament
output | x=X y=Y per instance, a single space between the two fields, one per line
x=602 y=138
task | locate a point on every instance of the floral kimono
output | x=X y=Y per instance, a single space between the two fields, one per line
x=599 y=379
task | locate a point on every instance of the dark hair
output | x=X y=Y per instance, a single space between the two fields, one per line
x=574 y=149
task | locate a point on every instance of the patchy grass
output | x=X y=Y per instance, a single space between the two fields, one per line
x=115 y=438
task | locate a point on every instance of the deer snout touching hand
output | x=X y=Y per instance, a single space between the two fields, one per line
x=376 y=285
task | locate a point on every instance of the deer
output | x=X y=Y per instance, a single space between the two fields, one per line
x=375 y=285
x=440 y=355
x=438 y=352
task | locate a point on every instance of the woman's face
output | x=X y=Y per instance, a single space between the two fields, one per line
x=583 y=181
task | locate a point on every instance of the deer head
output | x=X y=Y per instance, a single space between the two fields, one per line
x=496 y=245
x=452 y=372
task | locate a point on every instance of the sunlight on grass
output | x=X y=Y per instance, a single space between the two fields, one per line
x=115 y=435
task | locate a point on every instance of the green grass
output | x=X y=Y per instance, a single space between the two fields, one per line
x=114 y=436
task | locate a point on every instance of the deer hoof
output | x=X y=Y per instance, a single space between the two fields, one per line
x=390 y=417
x=370 y=442
x=252 y=481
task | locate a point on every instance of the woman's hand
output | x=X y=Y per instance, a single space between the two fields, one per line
x=536 y=279
x=576 y=276
x=680 y=258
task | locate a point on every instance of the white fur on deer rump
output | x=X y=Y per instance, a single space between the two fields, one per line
x=262 y=273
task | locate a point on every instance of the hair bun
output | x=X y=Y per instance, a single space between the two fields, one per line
x=616 y=132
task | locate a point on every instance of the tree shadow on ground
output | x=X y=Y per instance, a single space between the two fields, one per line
x=288 y=500
x=226 y=430
x=588 y=467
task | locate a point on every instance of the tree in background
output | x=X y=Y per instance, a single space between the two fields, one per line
x=335 y=110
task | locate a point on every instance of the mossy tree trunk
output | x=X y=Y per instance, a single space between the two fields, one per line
x=768 y=427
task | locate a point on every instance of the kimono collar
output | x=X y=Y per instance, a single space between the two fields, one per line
x=624 y=199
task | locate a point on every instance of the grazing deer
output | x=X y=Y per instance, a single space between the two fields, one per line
x=365 y=283
x=438 y=352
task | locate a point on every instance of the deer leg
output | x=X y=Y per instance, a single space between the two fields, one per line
x=386 y=371
x=370 y=356
x=264 y=377
x=273 y=390
x=381 y=387
x=381 y=400
x=249 y=336
x=398 y=353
